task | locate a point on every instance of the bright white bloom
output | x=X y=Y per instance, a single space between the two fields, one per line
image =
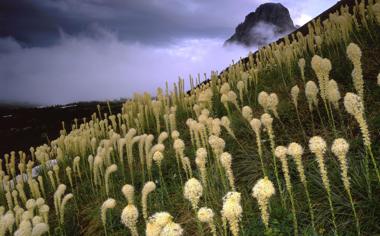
x=247 y=113
x=264 y=100
x=262 y=191
x=107 y=204
x=40 y=229
x=333 y=94
x=232 y=211
x=157 y=222
x=148 y=188
x=128 y=192
x=205 y=215
x=193 y=191
x=172 y=229
x=129 y=217
x=294 y=92
x=317 y=145
x=311 y=92
x=158 y=157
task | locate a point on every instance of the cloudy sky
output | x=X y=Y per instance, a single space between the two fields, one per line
x=61 y=51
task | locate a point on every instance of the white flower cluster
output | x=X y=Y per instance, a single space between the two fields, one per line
x=232 y=211
x=193 y=191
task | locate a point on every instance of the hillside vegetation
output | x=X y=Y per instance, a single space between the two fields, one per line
x=286 y=142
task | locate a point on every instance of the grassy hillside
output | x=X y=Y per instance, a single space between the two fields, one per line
x=283 y=143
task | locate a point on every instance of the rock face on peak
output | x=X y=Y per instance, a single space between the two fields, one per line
x=267 y=23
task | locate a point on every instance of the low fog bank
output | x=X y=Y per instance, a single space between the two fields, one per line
x=103 y=67
x=265 y=33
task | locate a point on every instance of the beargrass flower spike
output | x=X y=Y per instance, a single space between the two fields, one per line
x=318 y=146
x=193 y=191
x=129 y=218
x=354 y=106
x=354 y=53
x=340 y=149
x=295 y=150
x=256 y=127
x=311 y=92
x=110 y=203
x=226 y=161
x=232 y=211
x=267 y=121
x=206 y=215
x=281 y=154
x=200 y=161
x=147 y=189
x=263 y=191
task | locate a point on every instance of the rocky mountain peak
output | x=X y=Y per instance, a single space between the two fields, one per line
x=268 y=22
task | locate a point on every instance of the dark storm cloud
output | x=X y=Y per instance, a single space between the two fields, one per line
x=60 y=51
x=148 y=21
x=82 y=68
x=40 y=22
x=29 y=22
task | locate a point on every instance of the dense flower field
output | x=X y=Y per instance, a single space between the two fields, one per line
x=285 y=143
